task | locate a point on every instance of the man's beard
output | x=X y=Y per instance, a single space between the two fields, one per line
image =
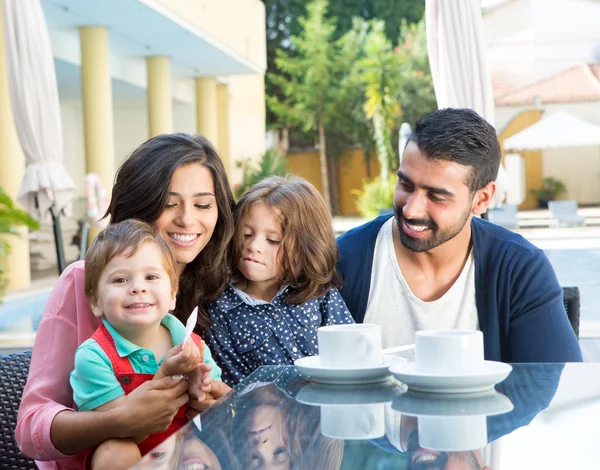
x=437 y=236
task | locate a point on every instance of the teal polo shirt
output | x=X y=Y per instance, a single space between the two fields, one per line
x=94 y=382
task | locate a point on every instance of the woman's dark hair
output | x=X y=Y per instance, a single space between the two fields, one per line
x=308 y=250
x=460 y=135
x=141 y=191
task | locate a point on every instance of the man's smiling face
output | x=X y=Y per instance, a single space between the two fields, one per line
x=432 y=201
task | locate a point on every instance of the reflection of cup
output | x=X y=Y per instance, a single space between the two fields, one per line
x=449 y=351
x=356 y=345
x=452 y=433
x=452 y=422
x=351 y=412
x=353 y=422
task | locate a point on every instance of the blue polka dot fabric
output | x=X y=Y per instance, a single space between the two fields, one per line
x=247 y=333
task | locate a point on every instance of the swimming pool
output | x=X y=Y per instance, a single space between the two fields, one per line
x=22 y=313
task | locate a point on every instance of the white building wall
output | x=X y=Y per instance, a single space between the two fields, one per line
x=529 y=40
x=578 y=168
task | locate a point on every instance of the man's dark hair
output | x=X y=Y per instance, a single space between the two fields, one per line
x=460 y=135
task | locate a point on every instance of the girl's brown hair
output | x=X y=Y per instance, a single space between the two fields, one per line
x=141 y=191
x=308 y=252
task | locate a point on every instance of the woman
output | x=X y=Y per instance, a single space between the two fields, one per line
x=178 y=183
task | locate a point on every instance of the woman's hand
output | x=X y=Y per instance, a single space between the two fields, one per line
x=148 y=409
x=181 y=359
x=152 y=406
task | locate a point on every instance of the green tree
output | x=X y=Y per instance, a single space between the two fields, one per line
x=11 y=217
x=380 y=76
x=307 y=80
x=415 y=93
x=282 y=23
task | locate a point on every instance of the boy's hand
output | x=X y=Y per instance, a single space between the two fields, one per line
x=181 y=359
x=218 y=390
x=200 y=382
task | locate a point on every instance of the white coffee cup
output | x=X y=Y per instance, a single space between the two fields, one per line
x=452 y=433
x=353 y=421
x=350 y=346
x=449 y=351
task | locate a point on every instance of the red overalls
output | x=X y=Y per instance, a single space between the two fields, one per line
x=130 y=380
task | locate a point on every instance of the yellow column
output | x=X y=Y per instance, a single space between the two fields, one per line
x=160 y=106
x=206 y=109
x=223 y=127
x=12 y=167
x=96 y=91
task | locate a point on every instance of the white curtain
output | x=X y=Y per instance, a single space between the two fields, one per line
x=457 y=57
x=35 y=106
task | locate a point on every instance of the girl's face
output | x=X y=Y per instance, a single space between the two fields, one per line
x=261 y=248
x=188 y=221
x=266 y=441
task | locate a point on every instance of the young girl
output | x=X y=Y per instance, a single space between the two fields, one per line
x=131 y=284
x=284 y=285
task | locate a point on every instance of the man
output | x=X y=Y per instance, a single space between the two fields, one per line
x=433 y=265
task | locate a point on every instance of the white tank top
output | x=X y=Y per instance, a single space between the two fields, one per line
x=400 y=312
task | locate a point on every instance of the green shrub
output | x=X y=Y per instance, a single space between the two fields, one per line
x=375 y=195
x=271 y=163
x=11 y=217
x=551 y=188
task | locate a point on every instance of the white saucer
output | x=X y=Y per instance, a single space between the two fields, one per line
x=311 y=366
x=488 y=403
x=492 y=373
x=318 y=394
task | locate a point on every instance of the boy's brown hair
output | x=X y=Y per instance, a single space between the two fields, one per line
x=123 y=238
x=309 y=252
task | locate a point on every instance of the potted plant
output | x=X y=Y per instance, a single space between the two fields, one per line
x=550 y=190
x=11 y=217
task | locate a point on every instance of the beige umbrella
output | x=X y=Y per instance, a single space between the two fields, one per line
x=459 y=70
x=46 y=186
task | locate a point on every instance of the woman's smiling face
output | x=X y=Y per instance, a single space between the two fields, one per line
x=189 y=218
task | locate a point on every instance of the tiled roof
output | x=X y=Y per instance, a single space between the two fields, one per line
x=578 y=83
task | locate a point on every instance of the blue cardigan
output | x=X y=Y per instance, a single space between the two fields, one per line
x=519 y=300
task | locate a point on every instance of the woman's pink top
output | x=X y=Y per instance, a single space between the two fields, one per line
x=67 y=322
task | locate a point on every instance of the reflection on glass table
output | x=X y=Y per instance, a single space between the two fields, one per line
x=278 y=419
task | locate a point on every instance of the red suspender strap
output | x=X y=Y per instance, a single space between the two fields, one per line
x=196 y=339
x=121 y=365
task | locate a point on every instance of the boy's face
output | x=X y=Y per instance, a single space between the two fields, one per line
x=135 y=292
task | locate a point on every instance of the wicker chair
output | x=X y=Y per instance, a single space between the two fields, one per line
x=572 y=303
x=13 y=374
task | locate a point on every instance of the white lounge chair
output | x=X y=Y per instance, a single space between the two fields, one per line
x=505 y=215
x=565 y=213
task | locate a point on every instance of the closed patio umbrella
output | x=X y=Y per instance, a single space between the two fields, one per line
x=459 y=70
x=46 y=186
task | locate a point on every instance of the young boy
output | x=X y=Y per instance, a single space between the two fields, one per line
x=131 y=283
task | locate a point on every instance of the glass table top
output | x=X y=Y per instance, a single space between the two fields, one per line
x=542 y=416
